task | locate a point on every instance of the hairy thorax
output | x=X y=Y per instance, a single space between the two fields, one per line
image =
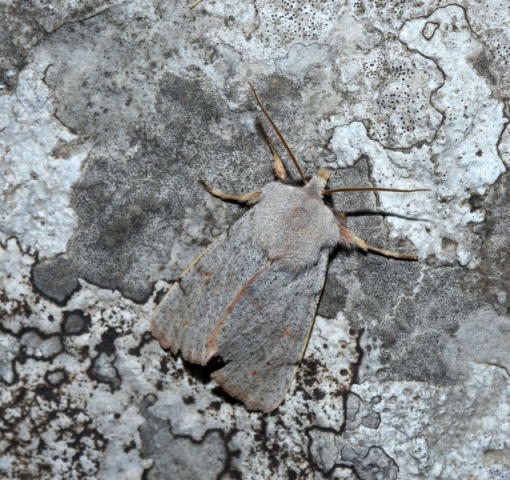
x=292 y=225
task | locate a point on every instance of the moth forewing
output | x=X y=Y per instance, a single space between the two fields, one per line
x=196 y=301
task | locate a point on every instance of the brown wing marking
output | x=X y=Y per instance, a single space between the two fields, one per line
x=212 y=347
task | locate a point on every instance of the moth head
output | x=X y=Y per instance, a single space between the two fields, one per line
x=323 y=177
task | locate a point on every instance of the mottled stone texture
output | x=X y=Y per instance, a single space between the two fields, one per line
x=110 y=113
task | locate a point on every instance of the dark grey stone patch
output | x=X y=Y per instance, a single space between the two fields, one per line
x=407 y=314
x=75 y=323
x=23 y=24
x=132 y=203
x=103 y=370
x=56 y=278
x=179 y=456
x=490 y=281
x=364 y=220
x=333 y=297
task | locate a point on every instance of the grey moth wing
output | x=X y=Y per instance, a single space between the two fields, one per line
x=264 y=332
x=197 y=300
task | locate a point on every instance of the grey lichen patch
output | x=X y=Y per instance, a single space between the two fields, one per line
x=13 y=58
x=323 y=449
x=301 y=59
x=9 y=350
x=382 y=84
x=39 y=347
x=103 y=370
x=405 y=327
x=360 y=413
x=179 y=456
x=412 y=438
x=483 y=66
x=493 y=63
x=56 y=377
x=56 y=278
x=103 y=367
x=482 y=327
x=75 y=323
x=130 y=213
x=490 y=279
x=304 y=22
x=24 y=24
x=369 y=462
x=419 y=418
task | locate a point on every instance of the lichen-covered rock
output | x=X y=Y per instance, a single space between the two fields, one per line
x=110 y=113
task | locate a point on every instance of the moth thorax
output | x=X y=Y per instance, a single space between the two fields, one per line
x=292 y=225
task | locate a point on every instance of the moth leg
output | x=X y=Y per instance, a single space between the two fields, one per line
x=279 y=169
x=250 y=198
x=341 y=217
x=352 y=240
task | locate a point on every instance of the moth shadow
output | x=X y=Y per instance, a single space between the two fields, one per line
x=372 y=213
x=202 y=374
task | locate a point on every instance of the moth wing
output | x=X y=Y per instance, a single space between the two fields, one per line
x=196 y=301
x=263 y=334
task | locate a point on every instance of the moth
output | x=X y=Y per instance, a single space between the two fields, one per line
x=250 y=298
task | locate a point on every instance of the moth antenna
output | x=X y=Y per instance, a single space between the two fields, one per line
x=373 y=189
x=275 y=128
x=194 y=4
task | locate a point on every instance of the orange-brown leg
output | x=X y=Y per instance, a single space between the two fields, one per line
x=351 y=240
x=250 y=198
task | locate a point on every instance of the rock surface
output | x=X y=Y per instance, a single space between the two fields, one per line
x=111 y=111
